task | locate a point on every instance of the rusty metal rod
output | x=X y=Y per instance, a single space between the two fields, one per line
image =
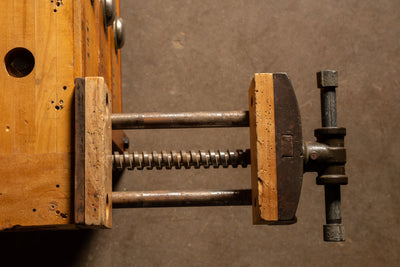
x=156 y=120
x=153 y=199
x=333 y=229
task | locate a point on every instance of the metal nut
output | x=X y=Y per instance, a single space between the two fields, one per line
x=327 y=78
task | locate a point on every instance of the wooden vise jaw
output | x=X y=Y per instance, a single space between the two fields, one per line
x=93 y=160
x=276 y=149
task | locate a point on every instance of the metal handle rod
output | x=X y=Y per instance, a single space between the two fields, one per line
x=153 y=199
x=156 y=120
x=327 y=82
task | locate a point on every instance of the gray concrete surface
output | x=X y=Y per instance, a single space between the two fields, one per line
x=200 y=56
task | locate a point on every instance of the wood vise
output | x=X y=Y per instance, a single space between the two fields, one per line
x=63 y=135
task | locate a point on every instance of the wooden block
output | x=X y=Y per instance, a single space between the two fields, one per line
x=262 y=144
x=276 y=149
x=93 y=158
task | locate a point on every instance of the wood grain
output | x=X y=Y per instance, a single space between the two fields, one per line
x=263 y=149
x=25 y=105
x=35 y=190
x=6 y=91
x=64 y=85
x=46 y=94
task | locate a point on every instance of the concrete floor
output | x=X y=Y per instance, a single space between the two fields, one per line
x=200 y=56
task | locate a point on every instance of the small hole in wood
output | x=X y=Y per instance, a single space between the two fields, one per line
x=55 y=10
x=58 y=186
x=58 y=4
x=34 y=210
x=65 y=87
x=61 y=102
x=7 y=128
x=106 y=99
x=57 y=107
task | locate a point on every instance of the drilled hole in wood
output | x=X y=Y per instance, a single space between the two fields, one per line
x=19 y=62
x=34 y=210
x=55 y=10
x=61 y=102
x=7 y=128
x=57 y=107
x=58 y=4
x=58 y=186
x=65 y=87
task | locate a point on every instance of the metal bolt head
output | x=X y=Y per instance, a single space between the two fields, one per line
x=327 y=78
x=109 y=12
x=119 y=33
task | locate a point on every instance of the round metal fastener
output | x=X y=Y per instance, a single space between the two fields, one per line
x=119 y=33
x=109 y=12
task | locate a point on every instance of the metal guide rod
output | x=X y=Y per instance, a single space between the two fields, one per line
x=153 y=199
x=157 y=120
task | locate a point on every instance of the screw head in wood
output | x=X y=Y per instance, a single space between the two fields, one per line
x=119 y=33
x=109 y=12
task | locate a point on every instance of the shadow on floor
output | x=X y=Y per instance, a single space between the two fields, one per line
x=44 y=248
